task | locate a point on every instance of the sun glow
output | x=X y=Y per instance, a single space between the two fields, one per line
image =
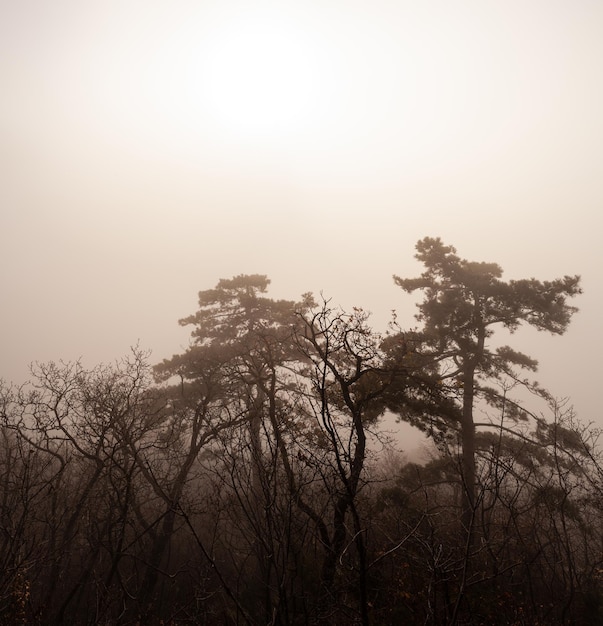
x=251 y=74
x=219 y=77
x=260 y=77
x=302 y=89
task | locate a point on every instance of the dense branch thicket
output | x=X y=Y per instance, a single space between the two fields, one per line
x=249 y=479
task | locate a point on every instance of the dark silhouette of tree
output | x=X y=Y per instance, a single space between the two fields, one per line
x=463 y=303
x=239 y=482
x=246 y=339
x=347 y=381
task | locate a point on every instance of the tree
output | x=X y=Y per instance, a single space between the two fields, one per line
x=347 y=382
x=78 y=483
x=463 y=302
x=307 y=383
x=245 y=341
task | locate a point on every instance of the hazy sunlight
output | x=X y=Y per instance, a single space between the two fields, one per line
x=260 y=76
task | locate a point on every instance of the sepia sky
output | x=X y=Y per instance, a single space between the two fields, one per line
x=148 y=149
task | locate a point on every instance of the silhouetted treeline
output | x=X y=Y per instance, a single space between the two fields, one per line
x=249 y=479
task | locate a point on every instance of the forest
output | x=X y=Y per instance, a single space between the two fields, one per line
x=252 y=479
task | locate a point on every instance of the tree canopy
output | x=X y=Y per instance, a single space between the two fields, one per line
x=463 y=302
x=252 y=479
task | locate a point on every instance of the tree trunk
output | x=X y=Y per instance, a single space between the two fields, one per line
x=468 y=456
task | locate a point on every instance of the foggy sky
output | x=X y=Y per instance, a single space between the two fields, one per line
x=139 y=167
